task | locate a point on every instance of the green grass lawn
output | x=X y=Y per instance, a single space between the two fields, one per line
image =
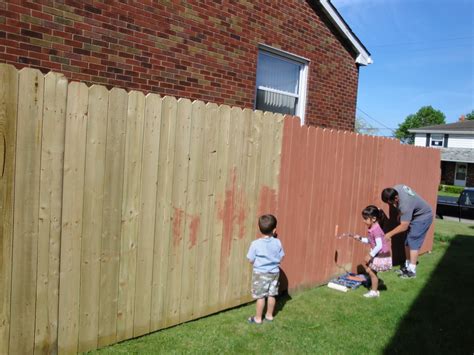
x=432 y=314
x=444 y=193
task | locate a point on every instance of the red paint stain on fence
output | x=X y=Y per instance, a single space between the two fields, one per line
x=233 y=215
x=178 y=216
x=193 y=230
x=241 y=220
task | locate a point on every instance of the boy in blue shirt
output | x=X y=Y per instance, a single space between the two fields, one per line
x=265 y=254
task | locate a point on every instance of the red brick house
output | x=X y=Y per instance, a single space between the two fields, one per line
x=293 y=56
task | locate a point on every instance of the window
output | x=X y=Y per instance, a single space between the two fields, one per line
x=281 y=83
x=437 y=140
x=466 y=198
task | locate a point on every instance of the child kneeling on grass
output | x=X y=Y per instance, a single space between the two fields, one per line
x=265 y=254
x=379 y=257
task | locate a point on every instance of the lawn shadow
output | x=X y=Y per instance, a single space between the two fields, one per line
x=283 y=295
x=281 y=300
x=440 y=321
x=361 y=270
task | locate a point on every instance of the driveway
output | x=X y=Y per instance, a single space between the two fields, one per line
x=455 y=219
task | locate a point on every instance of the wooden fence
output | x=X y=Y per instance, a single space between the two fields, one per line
x=122 y=213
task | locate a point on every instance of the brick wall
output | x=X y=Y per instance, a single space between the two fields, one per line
x=203 y=50
x=470 y=175
x=448 y=169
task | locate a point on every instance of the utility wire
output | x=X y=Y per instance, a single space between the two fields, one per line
x=370 y=127
x=375 y=120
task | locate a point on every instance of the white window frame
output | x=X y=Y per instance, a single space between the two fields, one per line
x=435 y=137
x=302 y=80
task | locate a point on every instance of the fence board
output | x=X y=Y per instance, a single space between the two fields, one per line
x=164 y=211
x=253 y=129
x=219 y=252
x=26 y=209
x=316 y=203
x=94 y=180
x=346 y=204
x=146 y=232
x=217 y=134
x=235 y=228
x=74 y=165
x=193 y=215
x=178 y=204
x=289 y=237
x=330 y=223
x=266 y=165
x=112 y=216
x=296 y=206
x=311 y=186
x=207 y=175
x=49 y=238
x=326 y=229
x=283 y=230
x=358 y=181
x=131 y=201
x=307 y=181
x=8 y=130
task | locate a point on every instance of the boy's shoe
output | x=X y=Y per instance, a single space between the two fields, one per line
x=408 y=275
x=402 y=270
x=372 y=294
x=252 y=320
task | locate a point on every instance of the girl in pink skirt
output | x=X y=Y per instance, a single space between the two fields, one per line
x=379 y=257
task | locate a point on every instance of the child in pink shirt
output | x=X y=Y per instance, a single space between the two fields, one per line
x=379 y=257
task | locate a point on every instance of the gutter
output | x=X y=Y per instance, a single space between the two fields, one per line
x=442 y=132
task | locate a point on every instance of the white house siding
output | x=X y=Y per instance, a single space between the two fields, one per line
x=460 y=141
x=420 y=139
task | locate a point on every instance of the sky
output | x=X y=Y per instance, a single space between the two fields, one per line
x=422 y=52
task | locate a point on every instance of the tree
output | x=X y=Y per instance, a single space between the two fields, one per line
x=426 y=116
x=363 y=127
x=470 y=116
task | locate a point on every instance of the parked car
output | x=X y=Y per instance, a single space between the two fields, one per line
x=459 y=207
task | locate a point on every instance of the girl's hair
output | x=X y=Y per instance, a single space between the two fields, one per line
x=371 y=211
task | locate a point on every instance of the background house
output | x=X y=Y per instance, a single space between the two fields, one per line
x=293 y=57
x=456 y=141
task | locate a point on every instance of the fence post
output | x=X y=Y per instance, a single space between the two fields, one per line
x=8 y=117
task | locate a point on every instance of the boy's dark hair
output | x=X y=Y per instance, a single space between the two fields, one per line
x=389 y=194
x=371 y=211
x=267 y=223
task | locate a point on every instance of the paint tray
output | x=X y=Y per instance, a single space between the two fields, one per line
x=348 y=281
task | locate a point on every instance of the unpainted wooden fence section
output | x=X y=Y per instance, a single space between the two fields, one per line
x=123 y=213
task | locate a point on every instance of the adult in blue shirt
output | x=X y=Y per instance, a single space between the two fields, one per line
x=416 y=217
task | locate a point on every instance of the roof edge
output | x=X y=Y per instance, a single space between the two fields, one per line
x=363 y=57
x=440 y=131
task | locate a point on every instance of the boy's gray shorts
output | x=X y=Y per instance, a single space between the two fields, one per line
x=264 y=284
x=417 y=233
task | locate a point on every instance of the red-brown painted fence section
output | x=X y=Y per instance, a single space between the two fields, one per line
x=326 y=179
